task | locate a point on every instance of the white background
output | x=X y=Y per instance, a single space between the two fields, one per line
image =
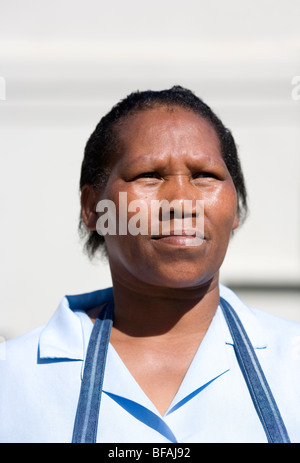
x=65 y=63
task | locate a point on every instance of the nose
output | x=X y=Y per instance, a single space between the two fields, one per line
x=181 y=195
x=178 y=208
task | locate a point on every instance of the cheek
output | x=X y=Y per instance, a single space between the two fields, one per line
x=132 y=220
x=220 y=208
x=133 y=208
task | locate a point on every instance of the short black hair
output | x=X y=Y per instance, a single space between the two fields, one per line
x=103 y=144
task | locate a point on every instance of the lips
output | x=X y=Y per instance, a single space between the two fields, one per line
x=180 y=238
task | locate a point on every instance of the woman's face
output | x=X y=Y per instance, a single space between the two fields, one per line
x=170 y=155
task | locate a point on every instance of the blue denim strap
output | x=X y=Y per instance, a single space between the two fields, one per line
x=86 y=420
x=259 y=389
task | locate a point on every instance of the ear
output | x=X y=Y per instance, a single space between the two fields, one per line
x=89 y=200
x=235 y=221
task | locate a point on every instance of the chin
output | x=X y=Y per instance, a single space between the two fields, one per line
x=180 y=279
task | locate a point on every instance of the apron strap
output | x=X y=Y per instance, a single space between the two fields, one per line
x=259 y=389
x=87 y=416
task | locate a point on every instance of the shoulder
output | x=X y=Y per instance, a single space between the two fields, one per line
x=60 y=338
x=23 y=347
x=276 y=341
x=273 y=328
x=18 y=365
x=262 y=315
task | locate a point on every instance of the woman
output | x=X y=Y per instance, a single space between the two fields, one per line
x=167 y=354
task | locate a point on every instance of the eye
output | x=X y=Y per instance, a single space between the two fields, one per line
x=205 y=175
x=147 y=175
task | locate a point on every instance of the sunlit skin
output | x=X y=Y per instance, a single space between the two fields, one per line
x=166 y=291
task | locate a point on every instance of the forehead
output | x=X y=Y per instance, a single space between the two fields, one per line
x=168 y=127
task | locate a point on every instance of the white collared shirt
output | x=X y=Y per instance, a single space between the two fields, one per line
x=40 y=379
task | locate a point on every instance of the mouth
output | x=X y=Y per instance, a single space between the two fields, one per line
x=182 y=238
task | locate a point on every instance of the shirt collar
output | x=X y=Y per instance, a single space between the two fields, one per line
x=65 y=335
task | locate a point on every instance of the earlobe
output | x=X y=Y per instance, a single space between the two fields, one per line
x=89 y=198
x=235 y=221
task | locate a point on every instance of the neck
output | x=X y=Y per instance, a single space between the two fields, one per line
x=147 y=311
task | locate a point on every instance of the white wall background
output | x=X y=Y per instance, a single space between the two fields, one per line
x=65 y=63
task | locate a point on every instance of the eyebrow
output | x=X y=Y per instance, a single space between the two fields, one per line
x=205 y=157
x=127 y=164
